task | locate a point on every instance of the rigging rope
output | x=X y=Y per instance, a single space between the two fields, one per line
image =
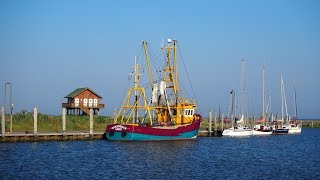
x=194 y=94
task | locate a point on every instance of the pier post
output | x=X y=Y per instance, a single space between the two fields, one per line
x=35 y=121
x=3 y=121
x=63 y=121
x=312 y=124
x=91 y=122
x=210 y=123
x=215 y=124
x=222 y=121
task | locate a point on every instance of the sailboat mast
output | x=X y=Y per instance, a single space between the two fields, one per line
x=282 y=118
x=285 y=103
x=242 y=86
x=295 y=99
x=263 y=91
x=234 y=106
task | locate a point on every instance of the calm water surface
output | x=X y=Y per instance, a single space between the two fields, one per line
x=268 y=157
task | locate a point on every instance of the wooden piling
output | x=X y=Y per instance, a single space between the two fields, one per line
x=35 y=121
x=3 y=121
x=91 y=122
x=222 y=121
x=63 y=121
x=215 y=124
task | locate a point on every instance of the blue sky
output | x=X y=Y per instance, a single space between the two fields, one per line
x=49 y=48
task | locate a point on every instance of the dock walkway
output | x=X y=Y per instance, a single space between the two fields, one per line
x=16 y=137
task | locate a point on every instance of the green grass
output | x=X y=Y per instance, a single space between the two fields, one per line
x=48 y=123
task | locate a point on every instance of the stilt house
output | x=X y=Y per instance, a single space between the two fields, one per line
x=81 y=100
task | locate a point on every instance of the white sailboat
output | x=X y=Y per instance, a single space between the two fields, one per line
x=239 y=128
x=281 y=126
x=294 y=126
x=262 y=128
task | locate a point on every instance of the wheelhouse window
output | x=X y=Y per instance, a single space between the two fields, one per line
x=189 y=112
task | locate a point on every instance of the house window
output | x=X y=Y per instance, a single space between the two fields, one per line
x=76 y=102
x=95 y=102
x=85 y=102
x=90 y=102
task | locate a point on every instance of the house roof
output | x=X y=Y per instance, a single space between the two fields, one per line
x=80 y=90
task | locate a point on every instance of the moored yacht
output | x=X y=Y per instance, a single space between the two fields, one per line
x=237 y=131
x=260 y=129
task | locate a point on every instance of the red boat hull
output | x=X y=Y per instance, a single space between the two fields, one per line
x=130 y=132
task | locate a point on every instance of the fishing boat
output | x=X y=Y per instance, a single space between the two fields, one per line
x=294 y=126
x=167 y=115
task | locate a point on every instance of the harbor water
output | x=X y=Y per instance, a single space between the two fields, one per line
x=263 y=157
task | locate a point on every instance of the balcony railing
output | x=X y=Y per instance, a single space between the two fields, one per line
x=88 y=105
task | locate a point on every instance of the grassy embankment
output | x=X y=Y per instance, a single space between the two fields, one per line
x=48 y=123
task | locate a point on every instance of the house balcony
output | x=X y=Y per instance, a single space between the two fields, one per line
x=82 y=106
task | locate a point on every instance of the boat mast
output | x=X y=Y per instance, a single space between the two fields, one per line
x=283 y=101
x=295 y=100
x=235 y=102
x=170 y=76
x=263 y=92
x=148 y=63
x=242 y=86
x=136 y=86
x=176 y=83
x=170 y=72
x=282 y=118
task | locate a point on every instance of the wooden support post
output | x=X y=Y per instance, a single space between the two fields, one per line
x=215 y=124
x=63 y=121
x=3 y=121
x=312 y=124
x=35 y=121
x=222 y=121
x=210 y=123
x=91 y=122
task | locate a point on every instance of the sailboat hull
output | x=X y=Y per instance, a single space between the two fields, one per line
x=280 y=131
x=295 y=130
x=261 y=130
x=237 y=132
x=132 y=132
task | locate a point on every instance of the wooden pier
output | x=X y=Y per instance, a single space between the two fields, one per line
x=19 y=137
x=47 y=136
